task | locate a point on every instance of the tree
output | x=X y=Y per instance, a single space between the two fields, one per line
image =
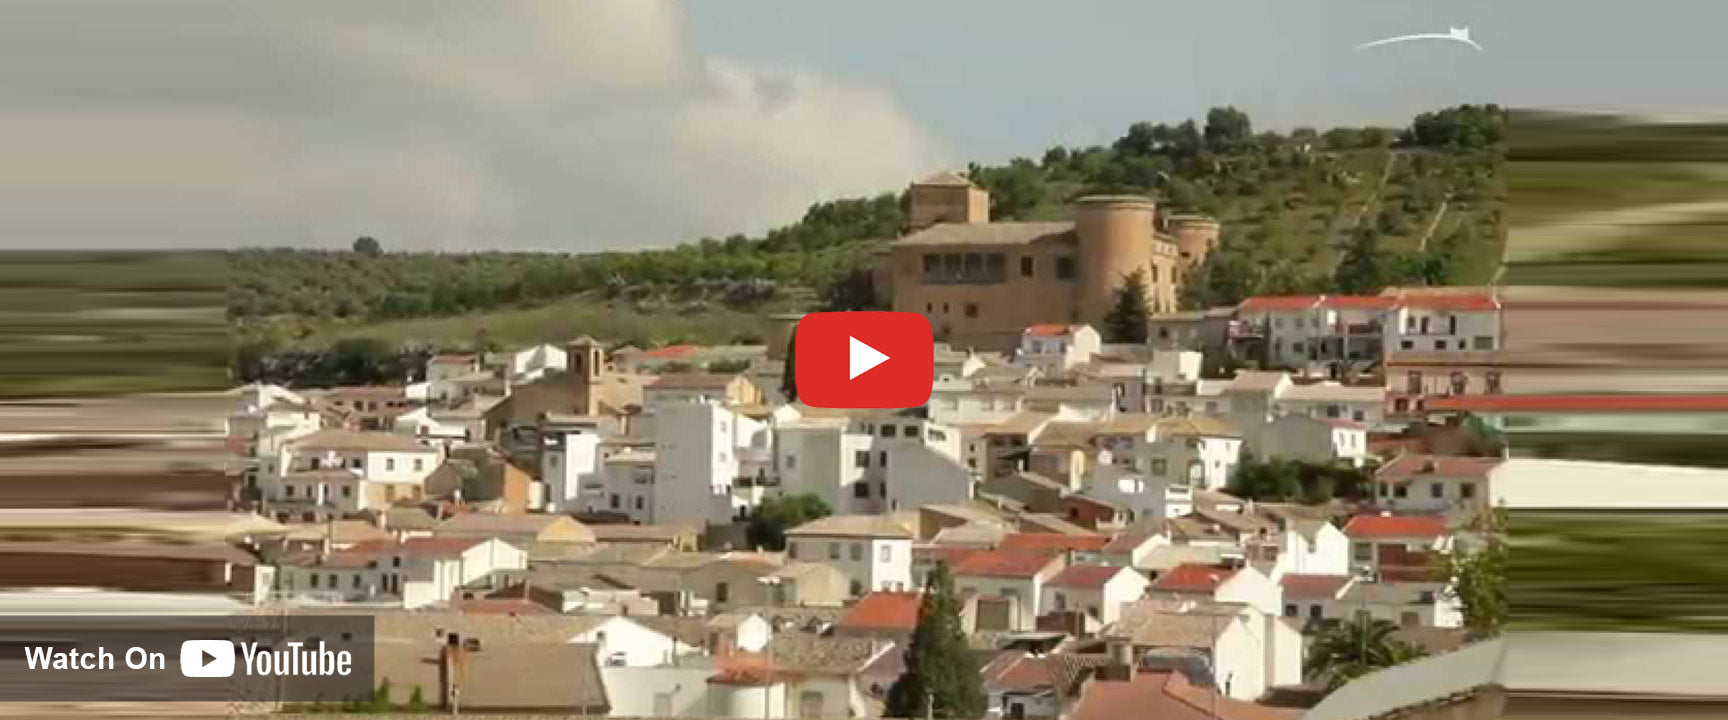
x=1477 y=569
x=941 y=677
x=380 y=698
x=788 y=371
x=366 y=245
x=1127 y=321
x=770 y=520
x=855 y=290
x=1228 y=130
x=1354 y=648
x=416 y=701
x=1363 y=270
x=1280 y=480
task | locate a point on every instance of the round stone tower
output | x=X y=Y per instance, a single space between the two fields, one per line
x=1196 y=236
x=1115 y=234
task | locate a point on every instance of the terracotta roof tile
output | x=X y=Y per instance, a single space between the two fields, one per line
x=1316 y=587
x=1086 y=576
x=1193 y=578
x=1038 y=542
x=1004 y=563
x=1409 y=465
x=884 y=610
x=1372 y=526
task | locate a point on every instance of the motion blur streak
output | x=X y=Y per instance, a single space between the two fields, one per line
x=1616 y=313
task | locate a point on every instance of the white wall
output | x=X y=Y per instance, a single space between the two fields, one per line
x=696 y=460
x=1405 y=330
x=861 y=560
x=638 y=645
x=564 y=469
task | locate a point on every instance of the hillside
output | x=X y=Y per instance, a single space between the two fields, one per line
x=1349 y=209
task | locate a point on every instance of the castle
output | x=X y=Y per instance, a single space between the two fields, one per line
x=981 y=283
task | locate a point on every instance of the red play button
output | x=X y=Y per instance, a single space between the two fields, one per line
x=864 y=360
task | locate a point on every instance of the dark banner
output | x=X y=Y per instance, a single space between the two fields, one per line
x=250 y=659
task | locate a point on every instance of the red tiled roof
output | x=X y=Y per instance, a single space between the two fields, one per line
x=1053 y=541
x=1357 y=302
x=1276 y=303
x=1410 y=465
x=751 y=669
x=1048 y=329
x=1317 y=587
x=884 y=610
x=1166 y=695
x=943 y=554
x=1668 y=402
x=1449 y=301
x=1193 y=578
x=1004 y=563
x=670 y=351
x=1372 y=526
x=1090 y=577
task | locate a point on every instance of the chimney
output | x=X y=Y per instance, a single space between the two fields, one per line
x=452 y=666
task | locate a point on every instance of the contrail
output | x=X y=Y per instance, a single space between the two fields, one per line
x=1459 y=35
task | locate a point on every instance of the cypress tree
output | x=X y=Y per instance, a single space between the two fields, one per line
x=1126 y=322
x=788 y=374
x=941 y=677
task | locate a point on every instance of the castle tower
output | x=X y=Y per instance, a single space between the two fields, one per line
x=1116 y=239
x=586 y=360
x=1196 y=236
x=946 y=197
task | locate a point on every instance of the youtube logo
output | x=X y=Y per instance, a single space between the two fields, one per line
x=864 y=360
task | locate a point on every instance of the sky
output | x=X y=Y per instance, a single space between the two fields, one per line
x=585 y=125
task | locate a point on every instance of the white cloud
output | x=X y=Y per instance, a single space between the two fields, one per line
x=555 y=125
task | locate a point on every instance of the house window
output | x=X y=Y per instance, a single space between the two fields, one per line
x=1436 y=490
x=1467 y=490
x=1362 y=552
x=1414 y=382
x=887 y=553
x=1289 y=610
x=860 y=489
x=1160 y=466
x=419 y=464
x=888 y=430
x=882 y=458
x=1400 y=491
x=1460 y=383
x=791 y=462
x=354 y=463
x=638 y=502
x=1439 y=344
x=856 y=588
x=1314 y=612
x=1493 y=382
x=1484 y=342
x=287 y=491
x=1407 y=345
x=971 y=310
x=1383 y=491
x=396 y=561
x=312 y=580
x=856 y=551
x=833 y=551
x=347 y=491
x=356 y=581
x=932 y=264
x=1064 y=268
x=1426 y=597
x=861 y=458
x=1358 y=415
x=1026 y=266
x=792 y=550
x=722 y=592
x=389 y=464
x=615 y=501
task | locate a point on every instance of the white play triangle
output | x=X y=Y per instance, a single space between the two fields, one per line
x=861 y=358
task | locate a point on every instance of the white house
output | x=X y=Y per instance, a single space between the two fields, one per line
x=448 y=426
x=626 y=485
x=623 y=642
x=1442 y=322
x=1007 y=586
x=570 y=459
x=872 y=551
x=1231 y=582
x=1248 y=650
x=1141 y=495
x=1313 y=598
x=1394 y=542
x=1056 y=349
x=532 y=363
x=1299 y=437
x=1097 y=591
x=1364 y=404
x=1421 y=483
x=385 y=467
x=1305 y=330
x=697 y=453
x=1409 y=603
x=410 y=573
